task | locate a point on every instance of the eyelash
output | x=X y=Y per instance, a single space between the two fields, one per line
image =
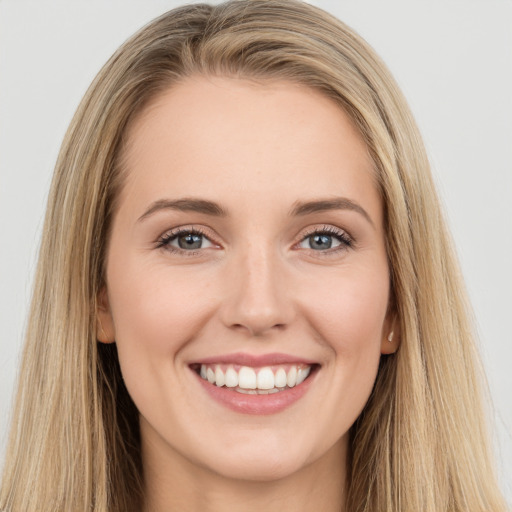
x=346 y=242
x=164 y=242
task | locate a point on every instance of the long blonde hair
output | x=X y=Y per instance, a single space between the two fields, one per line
x=421 y=441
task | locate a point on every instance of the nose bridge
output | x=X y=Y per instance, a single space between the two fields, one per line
x=259 y=301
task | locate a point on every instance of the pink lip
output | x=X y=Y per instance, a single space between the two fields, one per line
x=256 y=404
x=255 y=361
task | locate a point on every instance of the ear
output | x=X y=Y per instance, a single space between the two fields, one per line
x=105 y=332
x=391 y=334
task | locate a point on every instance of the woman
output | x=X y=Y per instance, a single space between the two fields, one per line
x=239 y=300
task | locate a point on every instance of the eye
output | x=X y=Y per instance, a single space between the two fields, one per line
x=184 y=240
x=327 y=239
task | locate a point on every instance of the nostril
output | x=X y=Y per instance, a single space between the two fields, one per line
x=258 y=330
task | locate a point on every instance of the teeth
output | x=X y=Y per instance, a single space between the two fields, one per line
x=268 y=391
x=302 y=373
x=280 y=378
x=231 y=377
x=258 y=391
x=246 y=380
x=291 y=378
x=219 y=377
x=265 y=379
x=247 y=391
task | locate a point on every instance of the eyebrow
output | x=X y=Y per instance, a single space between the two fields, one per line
x=300 y=208
x=185 y=205
x=323 y=205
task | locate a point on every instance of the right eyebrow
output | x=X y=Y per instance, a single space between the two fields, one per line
x=187 y=204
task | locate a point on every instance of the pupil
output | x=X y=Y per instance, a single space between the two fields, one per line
x=320 y=241
x=190 y=241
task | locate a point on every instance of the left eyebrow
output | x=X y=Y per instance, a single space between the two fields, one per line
x=323 y=205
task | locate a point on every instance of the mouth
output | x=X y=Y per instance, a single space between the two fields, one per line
x=255 y=384
x=255 y=380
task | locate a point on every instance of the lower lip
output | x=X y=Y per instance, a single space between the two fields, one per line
x=256 y=404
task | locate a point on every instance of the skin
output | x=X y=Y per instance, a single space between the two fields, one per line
x=256 y=286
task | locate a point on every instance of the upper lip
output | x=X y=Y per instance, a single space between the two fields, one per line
x=243 y=359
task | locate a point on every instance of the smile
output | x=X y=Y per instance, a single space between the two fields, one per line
x=263 y=385
x=262 y=381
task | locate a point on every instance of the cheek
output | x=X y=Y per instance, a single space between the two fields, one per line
x=350 y=320
x=350 y=313
x=156 y=311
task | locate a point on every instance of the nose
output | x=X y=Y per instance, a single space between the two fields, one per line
x=258 y=300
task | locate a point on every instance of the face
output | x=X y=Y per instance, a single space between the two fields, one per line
x=247 y=282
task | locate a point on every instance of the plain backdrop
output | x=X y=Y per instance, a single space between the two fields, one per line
x=452 y=58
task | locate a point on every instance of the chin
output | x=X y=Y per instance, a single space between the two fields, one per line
x=265 y=467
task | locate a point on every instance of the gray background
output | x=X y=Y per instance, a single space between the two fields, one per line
x=452 y=58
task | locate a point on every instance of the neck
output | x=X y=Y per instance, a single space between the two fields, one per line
x=178 y=484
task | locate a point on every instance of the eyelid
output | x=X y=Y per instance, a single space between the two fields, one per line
x=347 y=241
x=163 y=241
x=325 y=228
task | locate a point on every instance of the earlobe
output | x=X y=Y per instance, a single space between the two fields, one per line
x=390 y=337
x=105 y=332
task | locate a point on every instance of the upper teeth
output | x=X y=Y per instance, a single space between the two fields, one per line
x=247 y=378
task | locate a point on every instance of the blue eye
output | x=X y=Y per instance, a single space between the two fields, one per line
x=320 y=242
x=189 y=241
x=185 y=240
x=326 y=239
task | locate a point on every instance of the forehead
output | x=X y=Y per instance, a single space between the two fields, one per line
x=209 y=136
